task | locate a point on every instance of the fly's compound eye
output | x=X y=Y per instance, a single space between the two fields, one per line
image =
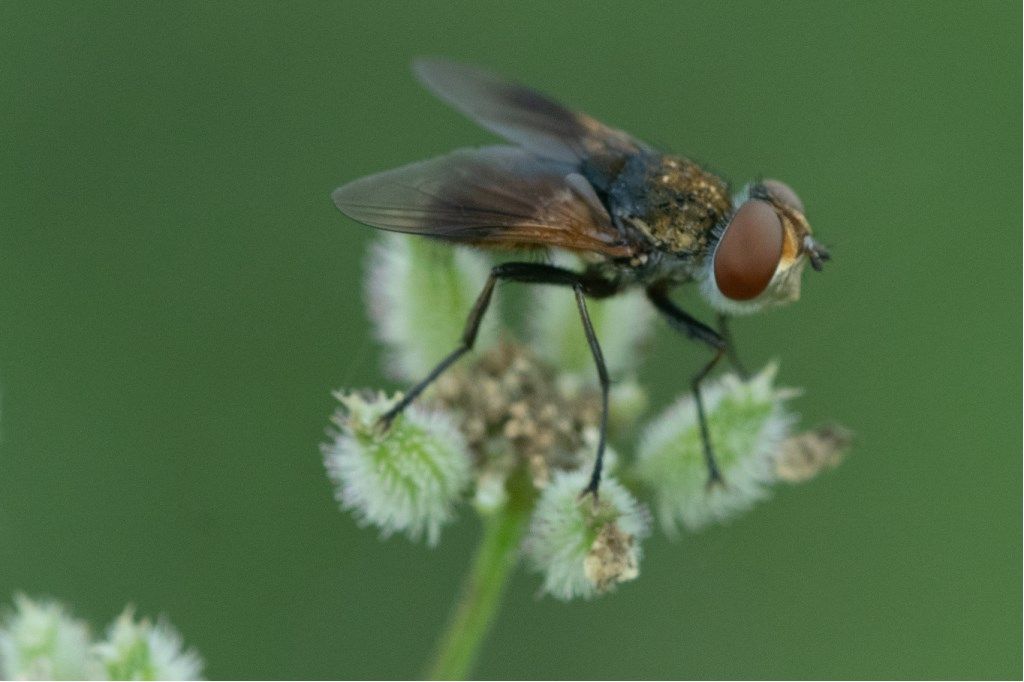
x=784 y=194
x=749 y=251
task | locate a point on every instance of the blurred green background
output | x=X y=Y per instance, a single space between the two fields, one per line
x=178 y=296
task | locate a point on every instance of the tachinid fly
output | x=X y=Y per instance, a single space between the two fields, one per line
x=637 y=216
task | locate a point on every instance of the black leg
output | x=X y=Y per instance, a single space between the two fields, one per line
x=535 y=273
x=602 y=375
x=734 y=358
x=714 y=475
x=469 y=333
x=683 y=322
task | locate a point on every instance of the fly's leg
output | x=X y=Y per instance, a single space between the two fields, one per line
x=602 y=375
x=685 y=323
x=734 y=358
x=534 y=273
x=714 y=474
x=469 y=334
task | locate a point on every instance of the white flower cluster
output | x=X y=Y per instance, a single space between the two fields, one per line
x=410 y=477
x=40 y=640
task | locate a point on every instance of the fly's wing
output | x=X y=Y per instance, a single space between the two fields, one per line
x=527 y=117
x=501 y=197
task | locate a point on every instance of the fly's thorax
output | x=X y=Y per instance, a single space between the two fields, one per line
x=669 y=203
x=652 y=267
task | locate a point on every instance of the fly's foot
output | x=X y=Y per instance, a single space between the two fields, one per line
x=715 y=481
x=590 y=490
x=383 y=423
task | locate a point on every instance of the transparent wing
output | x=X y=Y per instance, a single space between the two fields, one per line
x=493 y=196
x=525 y=116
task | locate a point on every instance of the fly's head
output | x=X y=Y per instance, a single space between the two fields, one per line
x=758 y=254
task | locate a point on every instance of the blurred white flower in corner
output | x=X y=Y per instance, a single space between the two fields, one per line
x=141 y=650
x=40 y=640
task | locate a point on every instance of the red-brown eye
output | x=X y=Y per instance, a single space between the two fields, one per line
x=749 y=251
x=784 y=194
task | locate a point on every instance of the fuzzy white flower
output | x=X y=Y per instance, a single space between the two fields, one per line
x=403 y=479
x=747 y=422
x=40 y=640
x=141 y=650
x=420 y=293
x=583 y=548
x=627 y=402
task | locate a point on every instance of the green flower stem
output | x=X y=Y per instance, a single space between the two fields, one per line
x=478 y=603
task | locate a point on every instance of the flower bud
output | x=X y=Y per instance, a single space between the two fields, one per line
x=747 y=423
x=405 y=478
x=805 y=455
x=585 y=546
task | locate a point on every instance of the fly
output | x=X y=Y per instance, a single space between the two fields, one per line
x=637 y=216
